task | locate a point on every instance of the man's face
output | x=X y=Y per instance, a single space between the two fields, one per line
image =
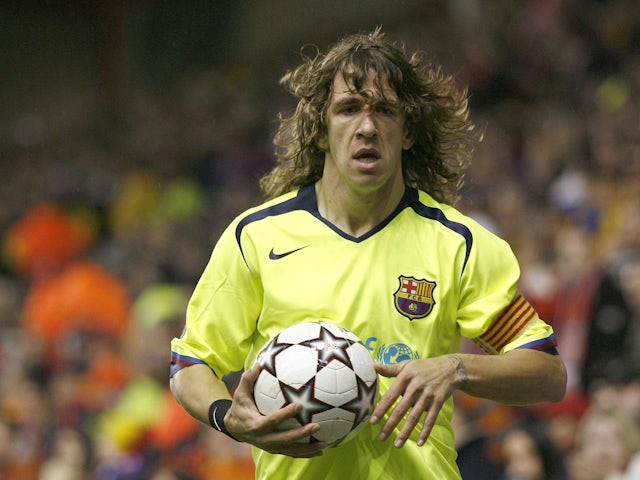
x=365 y=137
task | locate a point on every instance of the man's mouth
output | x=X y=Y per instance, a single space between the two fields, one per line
x=367 y=155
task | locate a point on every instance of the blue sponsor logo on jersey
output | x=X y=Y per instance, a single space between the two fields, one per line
x=395 y=353
x=392 y=353
x=414 y=298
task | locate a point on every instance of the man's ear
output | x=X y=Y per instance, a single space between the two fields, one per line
x=407 y=141
x=322 y=143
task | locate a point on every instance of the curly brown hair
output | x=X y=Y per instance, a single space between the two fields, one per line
x=435 y=109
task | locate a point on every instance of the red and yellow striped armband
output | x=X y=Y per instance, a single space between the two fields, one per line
x=508 y=326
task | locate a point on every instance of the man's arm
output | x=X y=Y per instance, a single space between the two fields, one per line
x=196 y=387
x=518 y=377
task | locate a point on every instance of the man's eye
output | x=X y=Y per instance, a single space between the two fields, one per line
x=349 y=109
x=387 y=111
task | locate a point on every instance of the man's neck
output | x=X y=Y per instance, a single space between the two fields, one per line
x=356 y=213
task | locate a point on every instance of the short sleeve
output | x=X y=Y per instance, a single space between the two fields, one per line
x=492 y=312
x=222 y=312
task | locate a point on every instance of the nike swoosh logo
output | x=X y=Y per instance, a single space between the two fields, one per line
x=278 y=256
x=213 y=416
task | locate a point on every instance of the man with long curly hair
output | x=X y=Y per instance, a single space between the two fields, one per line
x=360 y=230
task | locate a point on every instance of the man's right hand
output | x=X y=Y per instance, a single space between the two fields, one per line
x=245 y=422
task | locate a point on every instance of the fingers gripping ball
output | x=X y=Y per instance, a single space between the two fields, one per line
x=328 y=370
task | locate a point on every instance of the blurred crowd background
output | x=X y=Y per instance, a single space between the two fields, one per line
x=131 y=133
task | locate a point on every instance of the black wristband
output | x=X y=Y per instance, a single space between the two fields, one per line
x=217 y=411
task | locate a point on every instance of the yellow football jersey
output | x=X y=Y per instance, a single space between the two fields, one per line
x=411 y=288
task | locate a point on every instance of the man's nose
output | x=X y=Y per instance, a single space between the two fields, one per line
x=367 y=127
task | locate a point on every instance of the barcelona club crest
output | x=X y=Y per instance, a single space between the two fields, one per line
x=414 y=298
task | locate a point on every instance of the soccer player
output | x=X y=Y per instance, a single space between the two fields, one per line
x=360 y=230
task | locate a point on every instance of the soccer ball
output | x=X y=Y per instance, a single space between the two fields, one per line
x=328 y=370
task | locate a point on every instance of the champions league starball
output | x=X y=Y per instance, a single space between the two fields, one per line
x=328 y=370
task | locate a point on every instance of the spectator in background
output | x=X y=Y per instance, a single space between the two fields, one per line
x=608 y=446
x=69 y=457
x=472 y=424
x=620 y=386
x=614 y=325
x=562 y=420
x=611 y=340
x=529 y=454
x=579 y=278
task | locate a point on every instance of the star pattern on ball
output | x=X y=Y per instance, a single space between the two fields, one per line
x=330 y=347
x=273 y=348
x=305 y=396
x=362 y=405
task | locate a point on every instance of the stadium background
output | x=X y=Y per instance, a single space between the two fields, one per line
x=132 y=132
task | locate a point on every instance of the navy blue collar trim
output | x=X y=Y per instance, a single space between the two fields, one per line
x=306 y=200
